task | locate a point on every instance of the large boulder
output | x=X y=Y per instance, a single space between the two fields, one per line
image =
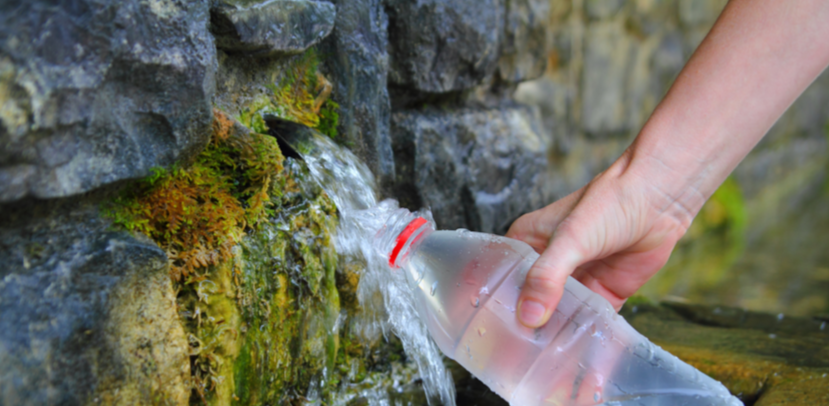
x=95 y=92
x=475 y=169
x=87 y=315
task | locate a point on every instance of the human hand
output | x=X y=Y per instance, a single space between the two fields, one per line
x=612 y=235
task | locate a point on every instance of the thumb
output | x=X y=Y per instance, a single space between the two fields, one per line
x=545 y=280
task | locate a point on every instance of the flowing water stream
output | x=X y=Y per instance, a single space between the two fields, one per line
x=386 y=301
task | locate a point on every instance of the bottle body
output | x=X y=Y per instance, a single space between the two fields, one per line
x=467 y=286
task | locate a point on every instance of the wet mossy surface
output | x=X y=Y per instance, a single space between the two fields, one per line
x=265 y=306
x=296 y=91
x=762 y=358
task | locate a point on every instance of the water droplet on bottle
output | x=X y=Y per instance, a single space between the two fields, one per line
x=597 y=397
x=475 y=301
x=434 y=288
x=481 y=331
x=484 y=290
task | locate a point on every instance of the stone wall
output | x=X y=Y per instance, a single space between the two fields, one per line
x=481 y=110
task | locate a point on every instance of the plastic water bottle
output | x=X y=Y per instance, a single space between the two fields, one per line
x=467 y=287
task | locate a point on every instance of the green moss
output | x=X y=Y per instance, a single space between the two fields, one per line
x=300 y=94
x=197 y=214
x=259 y=292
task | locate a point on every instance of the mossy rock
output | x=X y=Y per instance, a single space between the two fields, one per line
x=762 y=358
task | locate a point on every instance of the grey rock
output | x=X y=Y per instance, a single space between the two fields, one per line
x=600 y=9
x=87 y=315
x=95 y=92
x=607 y=59
x=357 y=63
x=475 y=169
x=271 y=27
x=440 y=46
x=526 y=40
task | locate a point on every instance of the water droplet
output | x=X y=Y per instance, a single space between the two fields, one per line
x=484 y=290
x=780 y=317
x=822 y=326
x=772 y=336
x=481 y=331
x=475 y=301
x=597 y=397
x=434 y=288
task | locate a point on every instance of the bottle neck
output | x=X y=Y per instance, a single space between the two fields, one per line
x=400 y=234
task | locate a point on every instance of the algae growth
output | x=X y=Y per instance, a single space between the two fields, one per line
x=249 y=241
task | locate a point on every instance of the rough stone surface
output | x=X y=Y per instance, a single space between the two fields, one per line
x=86 y=315
x=271 y=27
x=440 y=46
x=357 y=61
x=475 y=169
x=525 y=42
x=97 y=92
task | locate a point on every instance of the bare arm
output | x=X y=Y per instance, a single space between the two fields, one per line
x=617 y=231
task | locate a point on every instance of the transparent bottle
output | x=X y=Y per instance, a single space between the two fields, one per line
x=466 y=286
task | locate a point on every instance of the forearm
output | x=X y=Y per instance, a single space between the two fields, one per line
x=757 y=59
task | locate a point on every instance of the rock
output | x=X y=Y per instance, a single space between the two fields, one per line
x=99 y=92
x=601 y=9
x=270 y=27
x=87 y=315
x=439 y=46
x=761 y=358
x=475 y=169
x=607 y=56
x=356 y=59
x=525 y=44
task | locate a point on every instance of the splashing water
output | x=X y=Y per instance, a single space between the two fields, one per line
x=350 y=184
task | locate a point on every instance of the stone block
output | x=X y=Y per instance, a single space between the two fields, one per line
x=475 y=169
x=357 y=63
x=87 y=315
x=99 y=92
x=526 y=40
x=607 y=59
x=271 y=27
x=440 y=46
x=602 y=9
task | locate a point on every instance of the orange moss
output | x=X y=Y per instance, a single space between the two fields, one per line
x=197 y=214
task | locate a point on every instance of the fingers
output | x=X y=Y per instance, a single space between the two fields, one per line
x=544 y=285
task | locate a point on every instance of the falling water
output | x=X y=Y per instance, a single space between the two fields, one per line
x=350 y=184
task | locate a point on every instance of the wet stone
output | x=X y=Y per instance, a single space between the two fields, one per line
x=762 y=358
x=99 y=92
x=272 y=27
x=357 y=63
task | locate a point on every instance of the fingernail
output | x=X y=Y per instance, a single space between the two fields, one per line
x=531 y=312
